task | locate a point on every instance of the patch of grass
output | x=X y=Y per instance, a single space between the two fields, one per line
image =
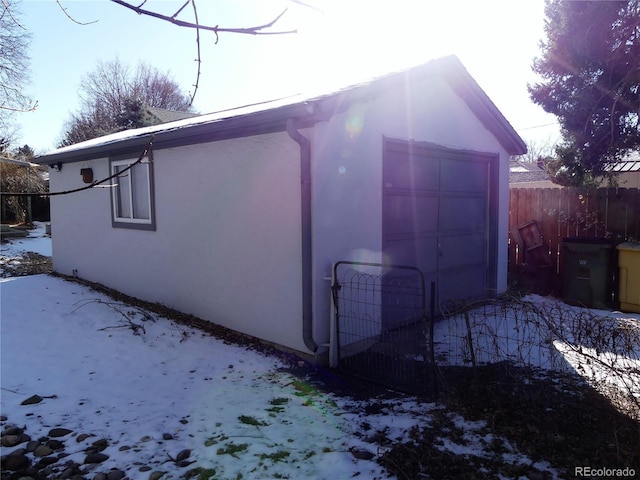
x=215 y=440
x=249 y=420
x=278 y=456
x=200 y=473
x=279 y=401
x=233 y=449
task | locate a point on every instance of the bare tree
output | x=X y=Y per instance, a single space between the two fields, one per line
x=538 y=150
x=179 y=19
x=114 y=97
x=14 y=63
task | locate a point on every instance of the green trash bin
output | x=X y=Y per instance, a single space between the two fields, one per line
x=588 y=272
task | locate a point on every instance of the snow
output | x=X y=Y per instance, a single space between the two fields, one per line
x=237 y=410
x=37 y=241
x=59 y=338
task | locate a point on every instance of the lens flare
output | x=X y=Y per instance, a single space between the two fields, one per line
x=354 y=123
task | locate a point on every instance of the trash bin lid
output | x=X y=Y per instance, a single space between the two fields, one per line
x=629 y=246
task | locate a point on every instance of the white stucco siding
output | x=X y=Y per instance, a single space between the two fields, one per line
x=347 y=174
x=227 y=242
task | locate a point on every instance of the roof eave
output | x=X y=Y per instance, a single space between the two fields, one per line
x=168 y=135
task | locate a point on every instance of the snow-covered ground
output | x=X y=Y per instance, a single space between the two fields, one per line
x=37 y=241
x=167 y=390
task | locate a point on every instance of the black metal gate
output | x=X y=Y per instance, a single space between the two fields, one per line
x=383 y=332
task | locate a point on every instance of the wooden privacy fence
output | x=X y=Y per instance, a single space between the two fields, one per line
x=570 y=212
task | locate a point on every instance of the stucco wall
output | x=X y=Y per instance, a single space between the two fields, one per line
x=347 y=174
x=227 y=243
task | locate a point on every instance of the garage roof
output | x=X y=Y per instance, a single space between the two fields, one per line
x=273 y=115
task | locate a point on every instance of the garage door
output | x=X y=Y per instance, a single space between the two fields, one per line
x=438 y=215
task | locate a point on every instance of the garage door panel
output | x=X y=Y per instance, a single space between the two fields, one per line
x=462 y=213
x=402 y=171
x=416 y=252
x=460 y=250
x=404 y=214
x=471 y=281
x=464 y=175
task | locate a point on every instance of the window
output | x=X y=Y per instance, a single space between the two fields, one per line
x=132 y=194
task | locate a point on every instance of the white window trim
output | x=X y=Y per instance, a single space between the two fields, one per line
x=126 y=222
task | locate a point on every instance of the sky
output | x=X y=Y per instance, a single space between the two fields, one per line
x=170 y=388
x=338 y=42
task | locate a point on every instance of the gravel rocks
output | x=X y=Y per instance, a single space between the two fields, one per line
x=29 y=263
x=48 y=457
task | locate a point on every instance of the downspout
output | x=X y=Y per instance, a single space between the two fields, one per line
x=305 y=211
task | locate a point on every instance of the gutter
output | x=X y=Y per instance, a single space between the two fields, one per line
x=305 y=207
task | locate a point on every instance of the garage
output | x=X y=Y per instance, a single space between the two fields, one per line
x=440 y=215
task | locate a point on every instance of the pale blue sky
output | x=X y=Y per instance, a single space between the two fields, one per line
x=339 y=42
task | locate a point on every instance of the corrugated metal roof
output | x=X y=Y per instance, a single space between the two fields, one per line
x=626 y=166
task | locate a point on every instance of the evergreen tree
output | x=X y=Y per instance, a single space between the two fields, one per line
x=590 y=70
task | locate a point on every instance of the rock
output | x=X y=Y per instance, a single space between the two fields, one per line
x=48 y=460
x=183 y=455
x=82 y=437
x=15 y=462
x=59 y=432
x=32 y=445
x=70 y=471
x=12 y=430
x=3 y=418
x=167 y=436
x=115 y=474
x=100 y=476
x=9 y=440
x=124 y=448
x=32 y=400
x=99 y=445
x=144 y=468
x=156 y=475
x=42 y=451
x=95 y=458
x=55 y=444
x=361 y=454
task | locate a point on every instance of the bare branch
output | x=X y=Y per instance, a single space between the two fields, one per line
x=6 y=10
x=195 y=85
x=16 y=109
x=64 y=10
x=257 y=30
x=180 y=9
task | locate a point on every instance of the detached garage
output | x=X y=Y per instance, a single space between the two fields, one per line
x=238 y=217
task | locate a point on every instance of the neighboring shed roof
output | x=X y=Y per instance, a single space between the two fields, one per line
x=631 y=163
x=523 y=172
x=165 y=116
x=306 y=109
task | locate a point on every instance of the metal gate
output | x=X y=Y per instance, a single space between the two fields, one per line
x=383 y=332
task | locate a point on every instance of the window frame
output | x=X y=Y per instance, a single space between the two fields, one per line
x=132 y=222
